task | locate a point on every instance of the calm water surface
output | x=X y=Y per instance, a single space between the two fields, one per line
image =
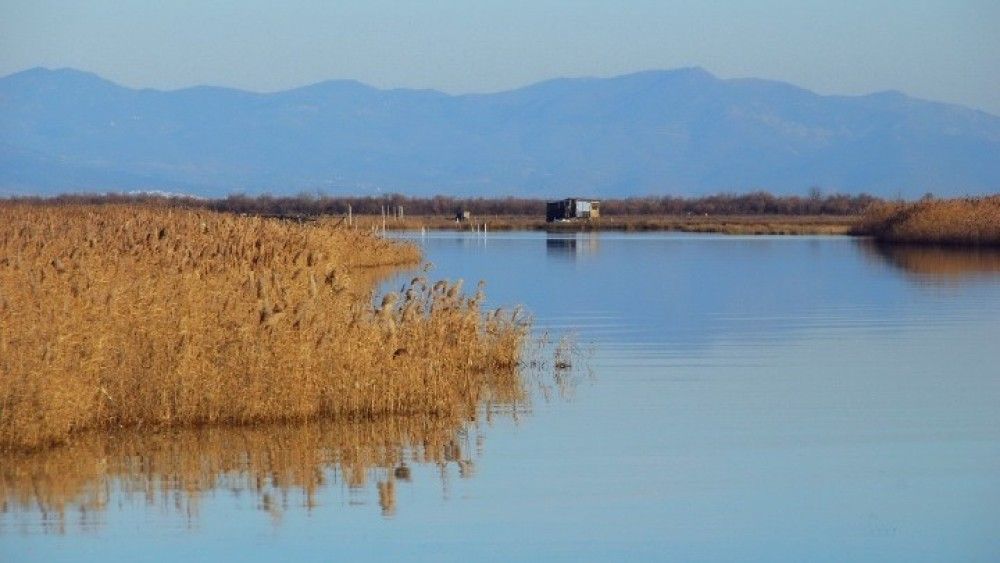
x=764 y=398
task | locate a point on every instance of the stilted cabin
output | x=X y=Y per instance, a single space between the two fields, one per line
x=572 y=208
x=462 y=215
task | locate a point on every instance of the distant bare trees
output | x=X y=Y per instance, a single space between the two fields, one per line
x=754 y=203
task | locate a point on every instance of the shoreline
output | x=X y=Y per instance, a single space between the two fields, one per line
x=720 y=224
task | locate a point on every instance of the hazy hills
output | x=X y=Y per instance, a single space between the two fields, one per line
x=659 y=132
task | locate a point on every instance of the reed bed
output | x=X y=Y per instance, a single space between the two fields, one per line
x=140 y=317
x=963 y=222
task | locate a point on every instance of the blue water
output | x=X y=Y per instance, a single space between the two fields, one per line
x=732 y=398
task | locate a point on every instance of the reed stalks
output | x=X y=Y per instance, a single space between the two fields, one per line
x=962 y=222
x=149 y=317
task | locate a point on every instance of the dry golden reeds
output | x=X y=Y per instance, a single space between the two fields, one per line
x=142 y=317
x=967 y=221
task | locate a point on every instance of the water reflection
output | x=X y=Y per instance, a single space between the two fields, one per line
x=936 y=263
x=574 y=245
x=753 y=398
x=283 y=467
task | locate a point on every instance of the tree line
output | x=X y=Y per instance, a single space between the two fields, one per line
x=754 y=203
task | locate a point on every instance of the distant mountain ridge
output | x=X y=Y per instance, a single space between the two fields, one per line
x=679 y=132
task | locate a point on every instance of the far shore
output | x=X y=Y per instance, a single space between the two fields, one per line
x=969 y=221
x=753 y=213
x=722 y=224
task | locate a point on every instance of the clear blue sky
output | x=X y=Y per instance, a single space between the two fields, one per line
x=935 y=49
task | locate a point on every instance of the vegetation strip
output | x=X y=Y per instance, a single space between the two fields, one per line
x=749 y=204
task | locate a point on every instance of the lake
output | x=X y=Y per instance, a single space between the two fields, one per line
x=730 y=398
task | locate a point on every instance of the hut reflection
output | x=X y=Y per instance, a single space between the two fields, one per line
x=572 y=245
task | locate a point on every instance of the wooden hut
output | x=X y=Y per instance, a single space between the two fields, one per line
x=572 y=209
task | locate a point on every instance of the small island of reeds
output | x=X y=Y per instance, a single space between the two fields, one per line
x=144 y=317
x=953 y=222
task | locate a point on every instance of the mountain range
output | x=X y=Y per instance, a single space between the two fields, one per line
x=677 y=132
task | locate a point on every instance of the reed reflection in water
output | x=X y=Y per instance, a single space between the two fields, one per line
x=72 y=485
x=937 y=263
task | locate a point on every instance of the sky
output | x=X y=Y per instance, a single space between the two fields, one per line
x=934 y=49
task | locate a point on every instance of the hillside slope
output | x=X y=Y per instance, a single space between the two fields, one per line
x=658 y=132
